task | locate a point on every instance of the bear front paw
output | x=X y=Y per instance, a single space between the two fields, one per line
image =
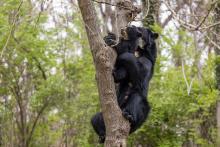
x=101 y=139
x=110 y=42
x=128 y=116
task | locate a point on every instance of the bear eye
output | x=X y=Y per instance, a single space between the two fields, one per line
x=130 y=15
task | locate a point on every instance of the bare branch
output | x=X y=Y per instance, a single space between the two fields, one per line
x=203 y=20
x=188 y=26
x=115 y=5
x=174 y=15
x=210 y=26
x=189 y=86
x=170 y=17
x=213 y=42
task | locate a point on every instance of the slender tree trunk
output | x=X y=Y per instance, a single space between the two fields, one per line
x=218 y=123
x=217 y=69
x=117 y=128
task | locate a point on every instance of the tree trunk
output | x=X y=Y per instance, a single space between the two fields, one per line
x=117 y=128
x=217 y=69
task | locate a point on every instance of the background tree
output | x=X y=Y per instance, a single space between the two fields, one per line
x=217 y=69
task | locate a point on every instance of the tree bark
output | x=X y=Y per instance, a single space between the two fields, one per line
x=117 y=128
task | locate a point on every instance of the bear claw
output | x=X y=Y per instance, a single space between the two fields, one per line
x=128 y=116
x=101 y=139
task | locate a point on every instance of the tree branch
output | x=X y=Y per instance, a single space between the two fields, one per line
x=40 y=112
x=166 y=21
x=203 y=20
x=115 y=5
x=192 y=27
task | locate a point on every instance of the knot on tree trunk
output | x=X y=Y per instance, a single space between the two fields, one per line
x=104 y=59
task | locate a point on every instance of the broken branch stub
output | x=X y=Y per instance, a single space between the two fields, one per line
x=126 y=12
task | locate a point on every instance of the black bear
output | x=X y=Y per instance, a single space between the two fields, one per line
x=135 y=107
x=128 y=44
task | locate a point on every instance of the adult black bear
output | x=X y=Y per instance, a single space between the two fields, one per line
x=135 y=107
x=128 y=44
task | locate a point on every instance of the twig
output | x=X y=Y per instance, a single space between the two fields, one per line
x=213 y=42
x=39 y=15
x=190 y=86
x=184 y=76
x=217 y=35
x=184 y=24
x=148 y=9
x=101 y=2
x=115 y=5
x=203 y=20
x=189 y=26
x=210 y=26
x=187 y=84
x=170 y=17
x=12 y=27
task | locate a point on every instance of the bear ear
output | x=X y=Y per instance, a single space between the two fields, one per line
x=155 y=35
x=139 y=34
